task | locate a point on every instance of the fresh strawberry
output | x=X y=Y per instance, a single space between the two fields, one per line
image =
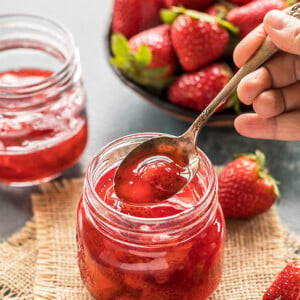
x=158 y=39
x=248 y=16
x=245 y=187
x=197 y=90
x=192 y=4
x=240 y=2
x=198 y=38
x=148 y=58
x=197 y=42
x=287 y=284
x=133 y=16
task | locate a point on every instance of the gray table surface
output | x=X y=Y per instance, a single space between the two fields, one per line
x=115 y=111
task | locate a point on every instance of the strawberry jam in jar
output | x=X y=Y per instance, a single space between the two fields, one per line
x=167 y=250
x=43 y=125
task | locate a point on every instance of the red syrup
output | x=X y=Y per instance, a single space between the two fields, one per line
x=156 y=265
x=151 y=179
x=37 y=145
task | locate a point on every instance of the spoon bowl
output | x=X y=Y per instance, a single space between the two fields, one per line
x=180 y=149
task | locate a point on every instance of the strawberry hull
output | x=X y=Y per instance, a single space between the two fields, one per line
x=169 y=250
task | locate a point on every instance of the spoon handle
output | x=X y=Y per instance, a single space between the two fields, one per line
x=266 y=50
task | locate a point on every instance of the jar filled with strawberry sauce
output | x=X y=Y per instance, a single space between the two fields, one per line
x=43 y=125
x=168 y=250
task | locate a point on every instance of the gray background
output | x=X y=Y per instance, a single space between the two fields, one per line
x=114 y=111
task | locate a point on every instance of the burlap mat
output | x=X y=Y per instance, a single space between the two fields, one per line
x=39 y=262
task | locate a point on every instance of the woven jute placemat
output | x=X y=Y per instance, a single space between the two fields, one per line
x=39 y=262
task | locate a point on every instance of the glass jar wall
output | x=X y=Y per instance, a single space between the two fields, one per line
x=171 y=250
x=43 y=125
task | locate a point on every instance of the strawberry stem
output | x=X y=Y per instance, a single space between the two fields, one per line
x=290 y=2
x=169 y=15
x=260 y=159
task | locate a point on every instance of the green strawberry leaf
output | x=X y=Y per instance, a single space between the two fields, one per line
x=117 y=62
x=143 y=57
x=168 y=16
x=234 y=102
x=156 y=73
x=179 y=10
x=260 y=158
x=119 y=46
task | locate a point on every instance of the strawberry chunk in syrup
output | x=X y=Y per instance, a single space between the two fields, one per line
x=151 y=179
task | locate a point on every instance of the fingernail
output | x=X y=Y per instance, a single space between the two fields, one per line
x=275 y=19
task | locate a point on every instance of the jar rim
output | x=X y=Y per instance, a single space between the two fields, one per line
x=210 y=187
x=56 y=76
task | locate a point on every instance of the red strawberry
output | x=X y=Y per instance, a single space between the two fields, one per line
x=164 y=176
x=287 y=284
x=245 y=187
x=197 y=42
x=158 y=39
x=248 y=16
x=192 y=4
x=197 y=90
x=133 y=16
x=148 y=58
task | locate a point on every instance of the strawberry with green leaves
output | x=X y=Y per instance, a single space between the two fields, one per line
x=147 y=58
x=198 y=38
x=287 y=284
x=192 y=4
x=249 y=16
x=196 y=90
x=133 y=16
x=246 y=189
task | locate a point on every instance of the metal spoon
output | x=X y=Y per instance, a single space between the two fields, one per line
x=183 y=148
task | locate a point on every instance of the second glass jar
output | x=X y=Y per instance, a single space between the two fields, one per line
x=43 y=125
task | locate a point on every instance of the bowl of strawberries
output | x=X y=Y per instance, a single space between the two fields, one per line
x=177 y=54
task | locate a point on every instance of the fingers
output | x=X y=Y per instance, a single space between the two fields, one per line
x=253 y=84
x=285 y=127
x=248 y=46
x=281 y=70
x=283 y=30
x=274 y=102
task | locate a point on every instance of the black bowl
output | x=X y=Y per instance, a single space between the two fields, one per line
x=159 y=98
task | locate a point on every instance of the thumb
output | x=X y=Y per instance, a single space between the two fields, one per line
x=284 y=31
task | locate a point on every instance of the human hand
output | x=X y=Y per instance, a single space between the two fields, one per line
x=274 y=88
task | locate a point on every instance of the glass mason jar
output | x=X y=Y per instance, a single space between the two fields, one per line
x=122 y=256
x=43 y=125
